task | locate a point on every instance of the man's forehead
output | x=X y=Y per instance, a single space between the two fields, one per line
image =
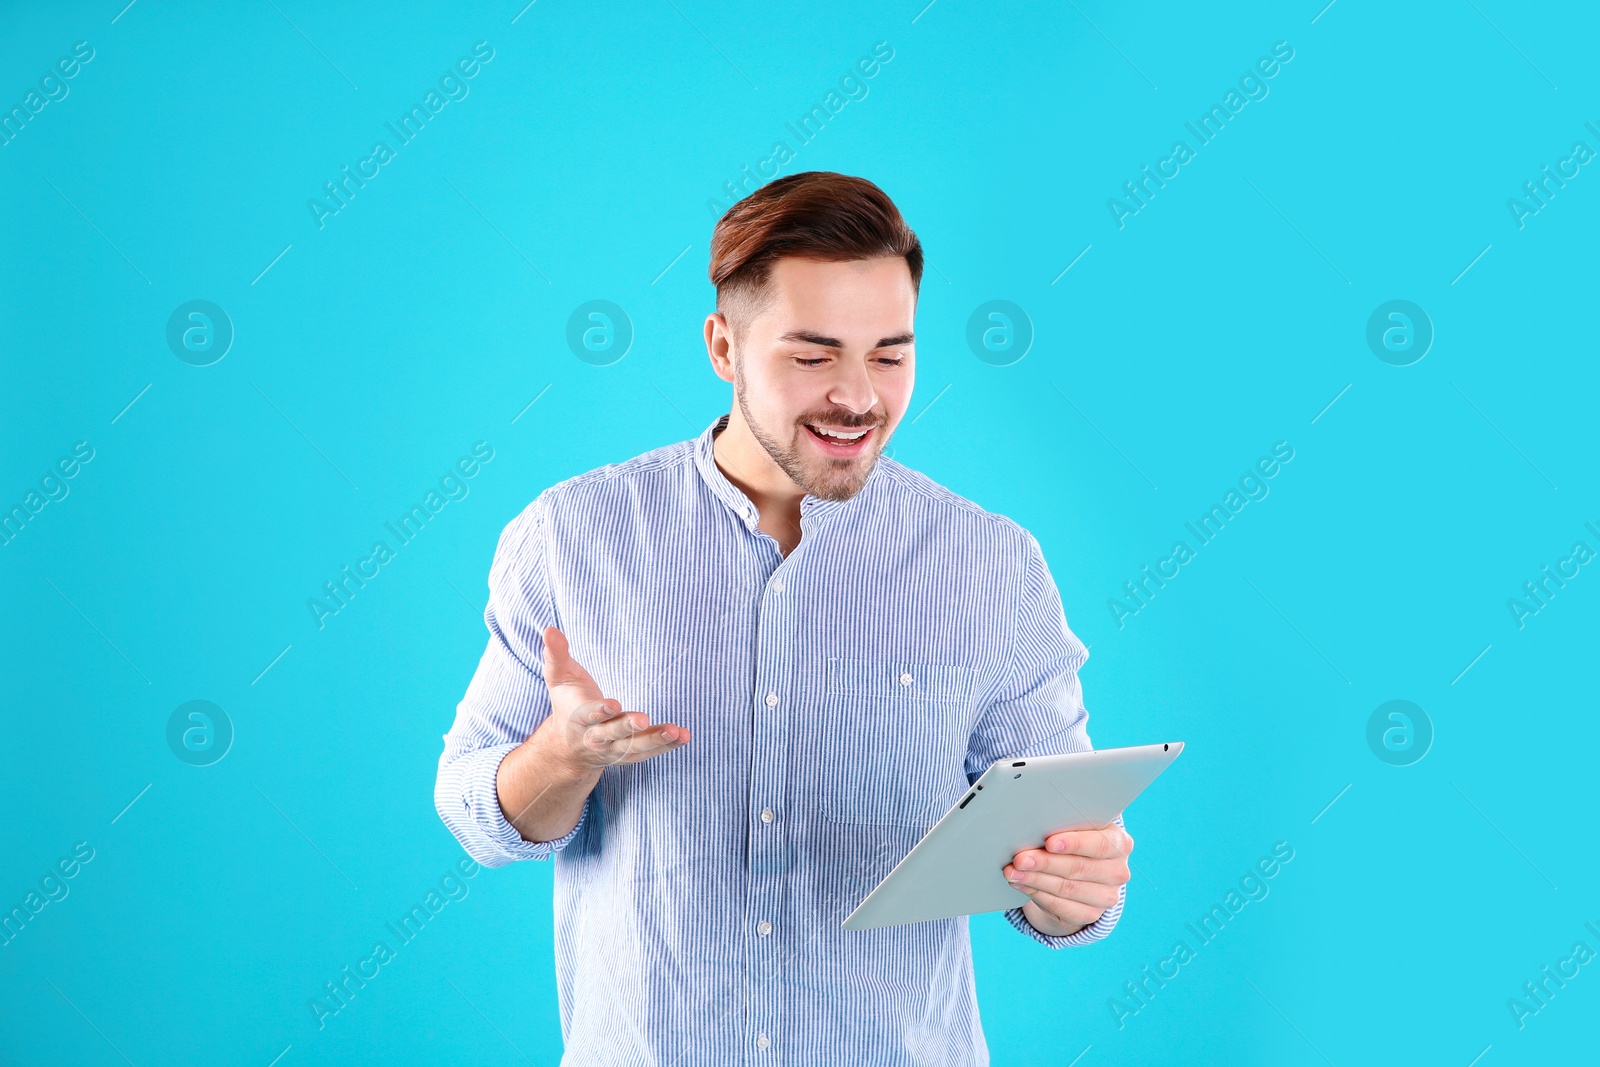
x=824 y=300
x=801 y=269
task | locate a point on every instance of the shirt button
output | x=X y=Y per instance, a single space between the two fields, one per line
x=767 y=815
x=905 y=679
x=763 y=928
x=772 y=700
x=762 y=1042
x=746 y=511
x=777 y=585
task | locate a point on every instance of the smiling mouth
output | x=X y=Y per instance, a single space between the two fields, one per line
x=835 y=441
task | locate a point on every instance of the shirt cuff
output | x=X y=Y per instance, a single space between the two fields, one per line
x=482 y=801
x=1089 y=934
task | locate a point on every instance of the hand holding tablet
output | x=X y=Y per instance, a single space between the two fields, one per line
x=1076 y=877
x=1017 y=809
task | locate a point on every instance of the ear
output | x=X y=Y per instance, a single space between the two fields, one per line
x=719 y=345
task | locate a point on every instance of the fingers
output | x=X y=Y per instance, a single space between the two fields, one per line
x=591 y=712
x=603 y=725
x=1073 y=912
x=633 y=725
x=1112 y=872
x=628 y=738
x=604 y=731
x=1111 y=843
x=652 y=742
x=616 y=728
x=1098 y=895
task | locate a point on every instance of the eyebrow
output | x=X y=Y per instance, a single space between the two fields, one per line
x=807 y=337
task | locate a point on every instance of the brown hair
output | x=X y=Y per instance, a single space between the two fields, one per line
x=816 y=214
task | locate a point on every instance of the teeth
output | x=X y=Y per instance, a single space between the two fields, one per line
x=841 y=436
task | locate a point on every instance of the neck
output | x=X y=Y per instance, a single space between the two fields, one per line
x=747 y=465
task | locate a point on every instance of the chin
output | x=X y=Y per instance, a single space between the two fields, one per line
x=840 y=479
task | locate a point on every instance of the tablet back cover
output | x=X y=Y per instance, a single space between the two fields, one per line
x=956 y=869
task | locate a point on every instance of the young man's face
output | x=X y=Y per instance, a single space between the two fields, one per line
x=832 y=352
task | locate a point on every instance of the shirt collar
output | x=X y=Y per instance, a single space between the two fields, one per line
x=740 y=504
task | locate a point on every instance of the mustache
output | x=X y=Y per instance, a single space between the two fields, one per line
x=848 y=422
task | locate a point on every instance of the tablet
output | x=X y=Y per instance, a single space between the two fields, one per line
x=957 y=867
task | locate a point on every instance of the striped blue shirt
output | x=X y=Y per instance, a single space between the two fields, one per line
x=840 y=699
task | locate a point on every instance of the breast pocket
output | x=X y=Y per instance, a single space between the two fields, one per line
x=897 y=736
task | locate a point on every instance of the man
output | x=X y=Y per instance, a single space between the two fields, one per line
x=730 y=682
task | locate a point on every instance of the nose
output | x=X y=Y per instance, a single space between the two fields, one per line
x=851 y=387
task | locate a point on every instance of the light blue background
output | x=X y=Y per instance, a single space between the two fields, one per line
x=1224 y=317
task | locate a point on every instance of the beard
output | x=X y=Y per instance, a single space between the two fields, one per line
x=822 y=477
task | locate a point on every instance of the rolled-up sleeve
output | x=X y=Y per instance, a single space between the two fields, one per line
x=1038 y=709
x=505 y=701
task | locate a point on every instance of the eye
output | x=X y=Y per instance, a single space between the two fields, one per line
x=810 y=362
x=897 y=361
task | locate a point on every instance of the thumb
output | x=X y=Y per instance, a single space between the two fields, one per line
x=561 y=669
